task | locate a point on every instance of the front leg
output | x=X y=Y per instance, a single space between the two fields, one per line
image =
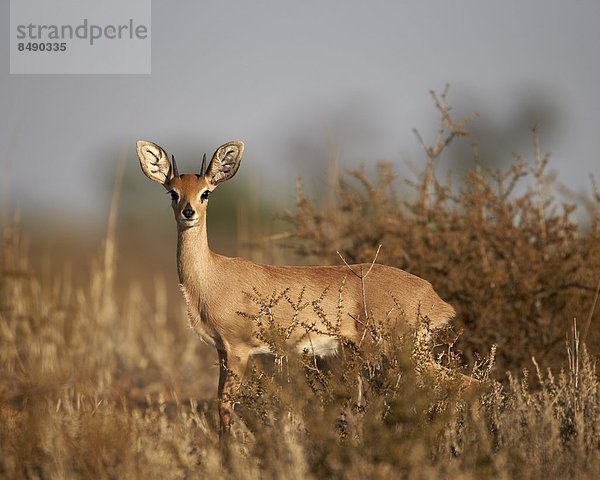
x=231 y=371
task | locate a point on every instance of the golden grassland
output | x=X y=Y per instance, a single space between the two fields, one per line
x=98 y=380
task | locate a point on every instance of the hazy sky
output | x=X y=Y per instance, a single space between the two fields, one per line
x=288 y=77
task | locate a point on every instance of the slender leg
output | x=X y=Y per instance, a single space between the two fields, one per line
x=223 y=393
x=231 y=370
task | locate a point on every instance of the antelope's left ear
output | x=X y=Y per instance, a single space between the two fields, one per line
x=225 y=163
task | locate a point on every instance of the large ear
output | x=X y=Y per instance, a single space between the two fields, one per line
x=225 y=163
x=154 y=162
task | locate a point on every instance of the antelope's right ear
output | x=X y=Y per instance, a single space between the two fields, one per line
x=154 y=162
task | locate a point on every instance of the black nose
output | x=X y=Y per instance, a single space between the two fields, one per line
x=188 y=213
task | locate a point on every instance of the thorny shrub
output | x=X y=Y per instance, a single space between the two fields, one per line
x=497 y=245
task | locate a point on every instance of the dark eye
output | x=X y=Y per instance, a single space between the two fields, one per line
x=205 y=195
x=174 y=195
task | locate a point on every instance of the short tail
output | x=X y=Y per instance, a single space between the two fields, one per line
x=439 y=313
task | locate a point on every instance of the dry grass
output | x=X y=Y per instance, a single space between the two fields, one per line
x=100 y=383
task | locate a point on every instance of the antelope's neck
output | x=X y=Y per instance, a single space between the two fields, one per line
x=194 y=258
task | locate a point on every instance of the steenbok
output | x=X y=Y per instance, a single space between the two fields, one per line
x=216 y=288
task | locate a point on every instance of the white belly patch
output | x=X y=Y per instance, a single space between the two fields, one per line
x=318 y=346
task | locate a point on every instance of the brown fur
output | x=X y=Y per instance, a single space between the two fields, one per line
x=218 y=290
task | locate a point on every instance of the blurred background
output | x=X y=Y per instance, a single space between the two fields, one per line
x=305 y=85
x=93 y=327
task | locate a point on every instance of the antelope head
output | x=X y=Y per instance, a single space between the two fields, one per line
x=189 y=192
